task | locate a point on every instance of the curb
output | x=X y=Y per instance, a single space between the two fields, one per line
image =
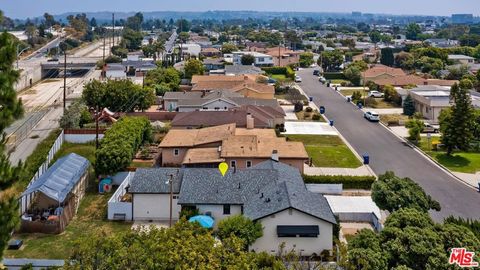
x=339 y=134
x=420 y=151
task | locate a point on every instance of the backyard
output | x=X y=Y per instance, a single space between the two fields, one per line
x=465 y=162
x=327 y=151
x=91 y=217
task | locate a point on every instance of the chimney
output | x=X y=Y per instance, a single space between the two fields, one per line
x=275 y=155
x=250 y=121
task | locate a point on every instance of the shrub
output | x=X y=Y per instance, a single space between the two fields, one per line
x=316 y=117
x=120 y=144
x=38 y=157
x=308 y=109
x=349 y=182
x=334 y=76
x=371 y=101
x=242 y=227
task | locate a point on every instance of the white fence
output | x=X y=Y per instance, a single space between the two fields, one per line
x=118 y=210
x=26 y=200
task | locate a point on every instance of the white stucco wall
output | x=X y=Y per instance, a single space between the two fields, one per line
x=154 y=207
x=217 y=211
x=270 y=243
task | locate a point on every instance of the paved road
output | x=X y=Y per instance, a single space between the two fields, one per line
x=387 y=152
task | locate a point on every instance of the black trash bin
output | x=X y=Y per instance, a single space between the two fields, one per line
x=322 y=109
x=331 y=123
x=366 y=159
x=310 y=99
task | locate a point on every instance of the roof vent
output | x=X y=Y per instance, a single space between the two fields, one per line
x=267 y=200
x=261 y=195
x=239 y=185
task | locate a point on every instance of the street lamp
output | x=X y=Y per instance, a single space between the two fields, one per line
x=19 y=53
x=170 y=183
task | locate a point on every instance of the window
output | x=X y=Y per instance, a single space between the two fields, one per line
x=176 y=152
x=298 y=231
x=226 y=209
x=261 y=59
x=241 y=209
x=249 y=163
x=233 y=163
x=174 y=197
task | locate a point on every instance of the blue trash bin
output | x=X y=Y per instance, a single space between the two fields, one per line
x=359 y=105
x=478 y=186
x=310 y=98
x=322 y=109
x=366 y=159
x=331 y=123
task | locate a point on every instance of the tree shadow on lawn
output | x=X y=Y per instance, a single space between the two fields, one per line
x=453 y=160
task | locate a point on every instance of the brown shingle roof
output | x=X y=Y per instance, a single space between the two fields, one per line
x=214 y=118
x=193 y=137
x=378 y=70
x=202 y=155
x=232 y=83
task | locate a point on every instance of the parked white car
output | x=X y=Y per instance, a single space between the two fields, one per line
x=371 y=116
x=298 y=79
x=375 y=94
x=429 y=128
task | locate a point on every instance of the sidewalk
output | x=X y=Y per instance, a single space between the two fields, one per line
x=469 y=178
x=360 y=171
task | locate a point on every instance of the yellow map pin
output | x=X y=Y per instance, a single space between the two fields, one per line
x=223 y=167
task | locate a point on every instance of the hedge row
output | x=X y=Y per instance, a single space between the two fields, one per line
x=120 y=144
x=287 y=71
x=349 y=182
x=334 y=76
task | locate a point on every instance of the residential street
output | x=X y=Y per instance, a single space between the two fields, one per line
x=387 y=152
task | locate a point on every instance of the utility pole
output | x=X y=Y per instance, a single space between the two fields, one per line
x=170 y=182
x=97 y=115
x=113 y=29
x=65 y=81
x=104 y=45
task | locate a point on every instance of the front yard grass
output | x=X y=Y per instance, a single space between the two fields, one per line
x=465 y=162
x=280 y=77
x=308 y=116
x=91 y=217
x=327 y=151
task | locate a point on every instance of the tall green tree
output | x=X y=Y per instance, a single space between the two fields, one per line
x=117 y=95
x=415 y=128
x=306 y=59
x=247 y=59
x=375 y=36
x=330 y=60
x=408 y=106
x=410 y=240
x=386 y=57
x=457 y=123
x=135 y=22
x=10 y=109
x=193 y=67
x=412 y=31
x=392 y=193
x=184 y=246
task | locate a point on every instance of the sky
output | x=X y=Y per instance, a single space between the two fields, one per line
x=31 y=8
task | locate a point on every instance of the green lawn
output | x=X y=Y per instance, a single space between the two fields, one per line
x=280 y=77
x=327 y=151
x=466 y=162
x=91 y=217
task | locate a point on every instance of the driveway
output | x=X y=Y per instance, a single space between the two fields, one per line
x=289 y=112
x=388 y=152
x=309 y=128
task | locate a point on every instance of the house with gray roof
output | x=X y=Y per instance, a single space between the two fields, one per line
x=232 y=70
x=270 y=192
